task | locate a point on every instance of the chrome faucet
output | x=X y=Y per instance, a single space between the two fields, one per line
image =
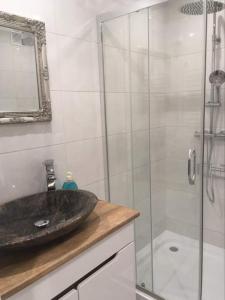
x=51 y=178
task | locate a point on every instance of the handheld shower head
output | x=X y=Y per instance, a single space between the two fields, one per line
x=217 y=78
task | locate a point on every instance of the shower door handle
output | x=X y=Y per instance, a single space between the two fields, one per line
x=191 y=173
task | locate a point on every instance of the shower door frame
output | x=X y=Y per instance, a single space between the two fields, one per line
x=141 y=5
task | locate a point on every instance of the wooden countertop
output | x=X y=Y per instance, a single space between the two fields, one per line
x=20 y=269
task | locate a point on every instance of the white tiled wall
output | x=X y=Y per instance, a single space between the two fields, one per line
x=74 y=137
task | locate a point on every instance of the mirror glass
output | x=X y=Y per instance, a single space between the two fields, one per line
x=18 y=71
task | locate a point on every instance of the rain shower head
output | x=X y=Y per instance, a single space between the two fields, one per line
x=197 y=7
x=217 y=78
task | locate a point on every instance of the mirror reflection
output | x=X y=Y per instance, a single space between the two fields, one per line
x=18 y=71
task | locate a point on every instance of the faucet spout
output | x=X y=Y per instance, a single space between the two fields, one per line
x=50 y=176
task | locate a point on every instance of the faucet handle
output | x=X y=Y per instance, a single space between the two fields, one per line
x=50 y=174
x=49 y=162
x=49 y=165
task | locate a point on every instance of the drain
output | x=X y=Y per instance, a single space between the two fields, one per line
x=174 y=249
x=41 y=223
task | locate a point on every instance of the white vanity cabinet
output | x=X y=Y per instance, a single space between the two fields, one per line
x=71 y=295
x=114 y=281
x=105 y=271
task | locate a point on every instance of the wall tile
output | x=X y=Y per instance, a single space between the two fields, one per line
x=158 y=144
x=78 y=64
x=28 y=136
x=138 y=22
x=81 y=113
x=85 y=161
x=23 y=172
x=54 y=59
x=39 y=10
x=186 y=72
x=119 y=153
x=142 y=204
x=76 y=19
x=116 y=62
x=179 y=140
x=140 y=153
x=139 y=72
x=187 y=37
x=183 y=206
x=116 y=32
x=158 y=104
x=121 y=189
x=140 y=111
x=73 y=64
x=98 y=188
x=118 y=113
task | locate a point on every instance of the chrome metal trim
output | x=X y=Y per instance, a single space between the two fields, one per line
x=150 y=159
x=202 y=152
x=38 y=29
x=191 y=174
x=143 y=290
x=220 y=169
x=103 y=110
x=50 y=174
x=207 y=134
x=42 y=223
x=130 y=9
x=213 y=104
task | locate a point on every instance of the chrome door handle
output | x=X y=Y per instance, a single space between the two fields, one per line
x=191 y=174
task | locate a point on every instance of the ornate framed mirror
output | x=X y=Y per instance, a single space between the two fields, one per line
x=24 y=77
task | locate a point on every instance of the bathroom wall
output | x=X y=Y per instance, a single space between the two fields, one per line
x=74 y=137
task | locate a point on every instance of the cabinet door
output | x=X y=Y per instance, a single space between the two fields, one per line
x=72 y=295
x=114 y=281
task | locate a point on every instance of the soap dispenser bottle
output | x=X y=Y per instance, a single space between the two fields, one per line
x=69 y=184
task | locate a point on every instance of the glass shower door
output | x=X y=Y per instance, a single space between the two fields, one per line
x=153 y=77
x=126 y=80
x=176 y=67
x=140 y=147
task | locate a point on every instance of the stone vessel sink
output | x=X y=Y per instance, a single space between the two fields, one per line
x=37 y=219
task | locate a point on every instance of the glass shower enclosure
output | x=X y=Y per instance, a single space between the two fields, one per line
x=153 y=59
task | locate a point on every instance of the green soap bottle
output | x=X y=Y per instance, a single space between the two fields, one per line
x=69 y=184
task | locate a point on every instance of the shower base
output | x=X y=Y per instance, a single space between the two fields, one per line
x=176 y=268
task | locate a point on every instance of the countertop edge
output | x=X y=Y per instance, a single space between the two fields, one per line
x=71 y=255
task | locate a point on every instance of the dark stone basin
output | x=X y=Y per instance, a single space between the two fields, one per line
x=62 y=212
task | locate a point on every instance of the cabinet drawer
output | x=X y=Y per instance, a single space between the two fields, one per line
x=72 y=295
x=115 y=280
